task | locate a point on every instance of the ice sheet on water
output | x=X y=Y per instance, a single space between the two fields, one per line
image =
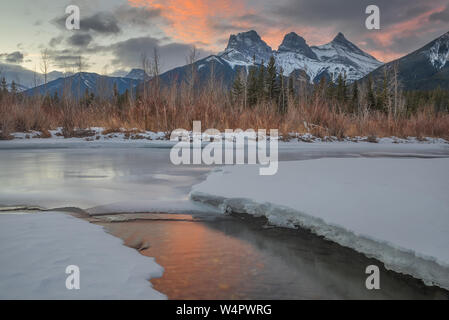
x=35 y=250
x=396 y=210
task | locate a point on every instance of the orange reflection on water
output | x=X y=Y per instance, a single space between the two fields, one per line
x=198 y=260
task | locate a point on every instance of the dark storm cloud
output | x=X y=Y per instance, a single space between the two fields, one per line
x=103 y=23
x=55 y=41
x=65 y=60
x=112 y=22
x=245 y=22
x=80 y=40
x=137 y=16
x=129 y=53
x=14 y=57
x=349 y=16
x=441 y=16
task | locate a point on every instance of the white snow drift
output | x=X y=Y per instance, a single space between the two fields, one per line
x=35 y=250
x=395 y=210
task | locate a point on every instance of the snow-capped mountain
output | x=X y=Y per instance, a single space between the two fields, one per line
x=439 y=52
x=78 y=84
x=137 y=74
x=340 y=56
x=19 y=87
x=294 y=55
x=244 y=47
x=423 y=69
x=25 y=78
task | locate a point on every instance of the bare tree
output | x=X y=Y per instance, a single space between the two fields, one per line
x=191 y=79
x=155 y=70
x=45 y=65
x=146 y=67
x=79 y=64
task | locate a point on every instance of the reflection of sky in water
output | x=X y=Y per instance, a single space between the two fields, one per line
x=136 y=179
x=92 y=177
x=229 y=259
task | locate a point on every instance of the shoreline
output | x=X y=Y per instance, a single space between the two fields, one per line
x=135 y=229
x=100 y=134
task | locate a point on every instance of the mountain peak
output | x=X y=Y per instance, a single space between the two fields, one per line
x=249 y=44
x=340 y=38
x=341 y=41
x=137 y=74
x=294 y=43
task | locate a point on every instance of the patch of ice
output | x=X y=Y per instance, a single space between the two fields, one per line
x=395 y=210
x=35 y=250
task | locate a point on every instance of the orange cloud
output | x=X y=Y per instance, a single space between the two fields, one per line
x=386 y=37
x=191 y=20
x=196 y=21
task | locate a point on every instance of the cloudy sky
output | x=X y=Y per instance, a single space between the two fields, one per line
x=115 y=33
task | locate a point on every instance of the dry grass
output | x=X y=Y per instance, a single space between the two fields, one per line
x=174 y=108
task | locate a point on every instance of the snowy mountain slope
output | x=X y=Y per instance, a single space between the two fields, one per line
x=25 y=77
x=81 y=82
x=424 y=69
x=244 y=47
x=294 y=55
x=439 y=52
x=340 y=56
x=19 y=87
x=337 y=57
x=137 y=74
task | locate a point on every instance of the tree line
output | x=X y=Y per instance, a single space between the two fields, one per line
x=259 y=84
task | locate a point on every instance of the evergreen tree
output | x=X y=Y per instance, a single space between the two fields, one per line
x=382 y=95
x=115 y=90
x=371 y=99
x=4 y=85
x=13 y=88
x=355 y=98
x=261 y=93
x=283 y=93
x=237 y=87
x=272 y=84
x=252 y=86
x=291 y=86
x=55 y=98
x=341 y=90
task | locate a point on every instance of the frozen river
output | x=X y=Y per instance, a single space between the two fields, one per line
x=138 y=177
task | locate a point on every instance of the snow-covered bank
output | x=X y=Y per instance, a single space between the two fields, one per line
x=139 y=137
x=35 y=250
x=395 y=210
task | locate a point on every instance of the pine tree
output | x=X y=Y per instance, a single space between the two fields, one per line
x=261 y=89
x=272 y=84
x=291 y=86
x=283 y=93
x=382 y=96
x=252 y=86
x=115 y=90
x=371 y=99
x=13 y=88
x=237 y=87
x=341 y=89
x=355 y=98
x=4 y=85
